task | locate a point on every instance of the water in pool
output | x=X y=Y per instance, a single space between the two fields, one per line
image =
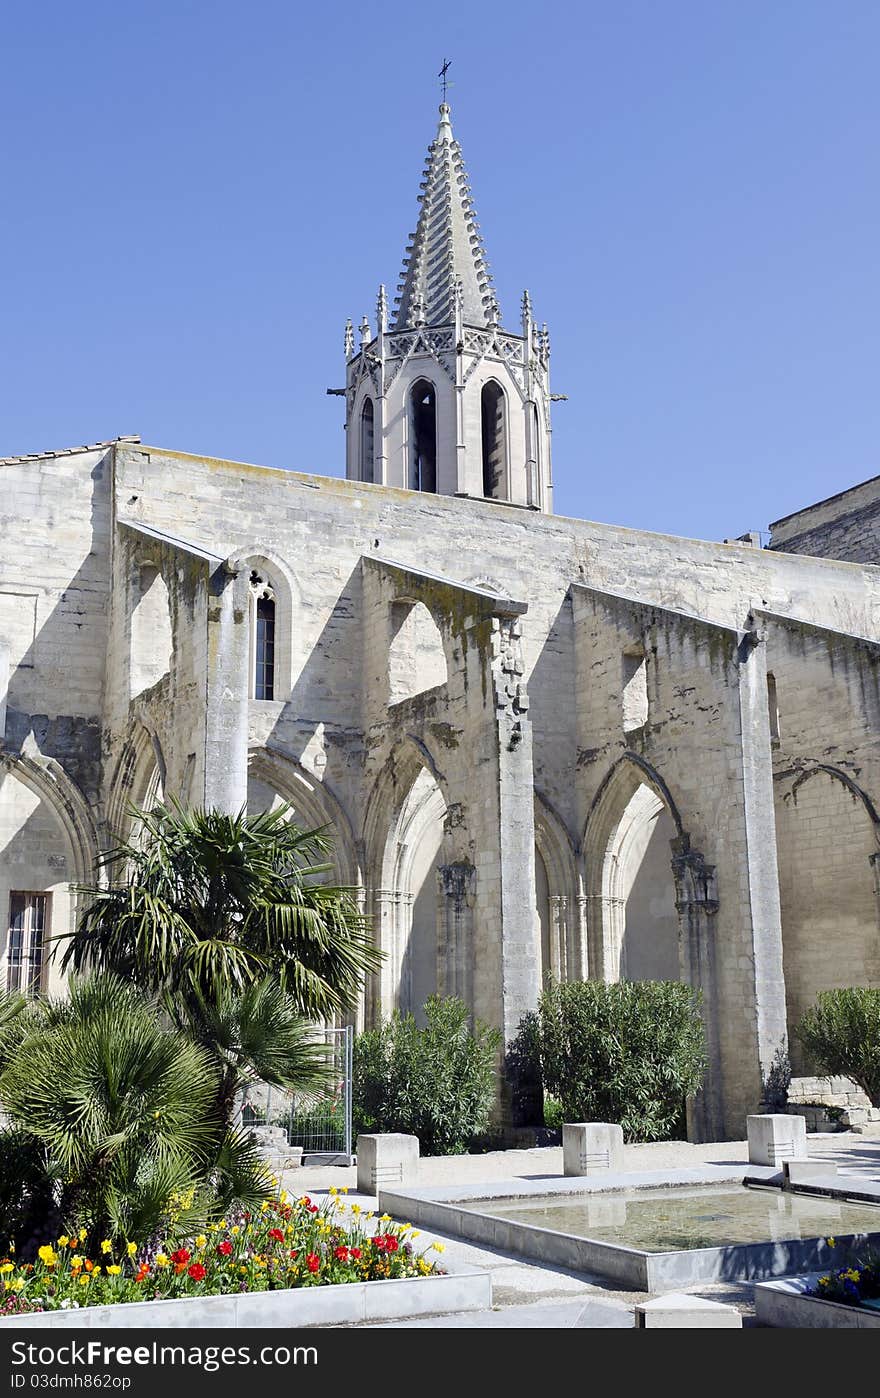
x=668 y=1220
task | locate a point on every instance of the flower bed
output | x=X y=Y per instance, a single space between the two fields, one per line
x=287 y=1245
x=845 y=1298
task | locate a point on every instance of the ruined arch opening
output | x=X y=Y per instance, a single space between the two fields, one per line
x=38 y=861
x=827 y=845
x=493 y=430
x=367 y=444
x=150 y=636
x=634 y=932
x=423 y=436
x=417 y=862
x=416 y=657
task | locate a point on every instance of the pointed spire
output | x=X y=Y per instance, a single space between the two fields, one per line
x=381 y=311
x=446 y=246
x=349 y=339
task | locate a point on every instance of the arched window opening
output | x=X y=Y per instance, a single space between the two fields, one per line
x=494 y=439
x=773 y=704
x=151 y=640
x=367 y=446
x=263 y=637
x=423 y=423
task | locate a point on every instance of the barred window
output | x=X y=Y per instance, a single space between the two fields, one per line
x=25 y=942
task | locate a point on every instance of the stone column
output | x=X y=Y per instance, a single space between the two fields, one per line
x=455 y=942
x=696 y=901
x=520 y=948
x=227 y=689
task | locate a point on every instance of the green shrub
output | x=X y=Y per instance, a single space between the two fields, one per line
x=437 y=1083
x=628 y=1053
x=841 y=1036
x=554 y=1117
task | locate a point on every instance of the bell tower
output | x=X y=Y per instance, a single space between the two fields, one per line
x=439 y=397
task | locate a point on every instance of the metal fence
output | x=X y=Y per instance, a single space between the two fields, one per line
x=319 y=1123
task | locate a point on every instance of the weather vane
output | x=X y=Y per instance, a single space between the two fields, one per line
x=442 y=76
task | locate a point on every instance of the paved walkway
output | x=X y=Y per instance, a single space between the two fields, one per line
x=532 y=1295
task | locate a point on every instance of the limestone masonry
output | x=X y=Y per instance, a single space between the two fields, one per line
x=544 y=744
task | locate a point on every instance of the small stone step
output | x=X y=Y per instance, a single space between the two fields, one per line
x=678 y=1311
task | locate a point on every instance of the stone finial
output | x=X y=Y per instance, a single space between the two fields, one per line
x=381 y=311
x=349 y=339
x=364 y=332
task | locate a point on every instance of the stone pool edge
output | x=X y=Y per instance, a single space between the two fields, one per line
x=632 y=1267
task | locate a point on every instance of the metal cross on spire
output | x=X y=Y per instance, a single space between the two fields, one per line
x=442 y=76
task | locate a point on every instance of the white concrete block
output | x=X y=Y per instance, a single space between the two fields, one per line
x=387 y=1159
x=775 y=1137
x=591 y=1146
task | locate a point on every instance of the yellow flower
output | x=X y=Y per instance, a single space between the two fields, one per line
x=15 y=1284
x=131 y=1249
x=438 y=1247
x=222 y=1223
x=345 y=1189
x=404 y=1228
x=63 y=1240
x=162 y=1259
x=201 y=1241
x=415 y=1233
x=235 y=1230
x=384 y=1218
x=48 y=1255
x=333 y=1189
x=96 y=1271
x=82 y=1235
x=7 y=1267
x=355 y=1208
x=831 y=1243
x=84 y=1279
x=106 y=1246
x=113 y=1271
x=264 y=1207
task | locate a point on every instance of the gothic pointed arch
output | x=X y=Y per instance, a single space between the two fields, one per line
x=631 y=889
x=48 y=847
x=420 y=898
x=138 y=778
x=314 y=804
x=557 y=896
x=828 y=856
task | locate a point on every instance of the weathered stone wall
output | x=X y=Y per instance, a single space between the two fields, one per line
x=698 y=750
x=845 y=526
x=826 y=763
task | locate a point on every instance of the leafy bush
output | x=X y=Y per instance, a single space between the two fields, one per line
x=437 y=1083
x=841 y=1035
x=554 y=1117
x=628 y=1053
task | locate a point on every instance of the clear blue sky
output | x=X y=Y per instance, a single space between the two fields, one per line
x=196 y=195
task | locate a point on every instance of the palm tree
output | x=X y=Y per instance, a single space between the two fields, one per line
x=123 y=1108
x=201 y=902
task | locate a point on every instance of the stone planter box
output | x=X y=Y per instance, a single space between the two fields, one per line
x=465 y=1289
x=787 y=1304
